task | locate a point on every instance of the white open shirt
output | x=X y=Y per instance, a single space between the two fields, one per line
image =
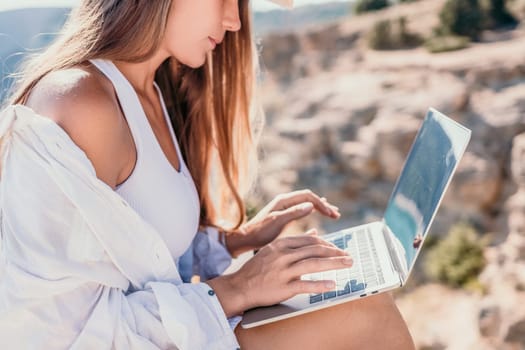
x=79 y=268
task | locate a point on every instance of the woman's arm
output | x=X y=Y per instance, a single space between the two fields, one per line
x=274 y=273
x=82 y=269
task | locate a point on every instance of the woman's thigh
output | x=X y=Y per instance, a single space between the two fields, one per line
x=369 y=323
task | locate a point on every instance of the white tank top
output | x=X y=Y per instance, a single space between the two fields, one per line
x=163 y=196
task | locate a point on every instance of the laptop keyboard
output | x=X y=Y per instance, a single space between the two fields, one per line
x=364 y=273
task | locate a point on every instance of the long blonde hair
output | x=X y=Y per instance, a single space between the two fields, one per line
x=209 y=107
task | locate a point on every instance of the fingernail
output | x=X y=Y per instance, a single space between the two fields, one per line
x=348 y=261
x=329 y=284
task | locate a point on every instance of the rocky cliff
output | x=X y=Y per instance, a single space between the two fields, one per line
x=340 y=120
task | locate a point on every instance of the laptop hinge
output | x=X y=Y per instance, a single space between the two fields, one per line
x=394 y=254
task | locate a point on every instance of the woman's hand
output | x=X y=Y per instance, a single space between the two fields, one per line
x=274 y=273
x=271 y=220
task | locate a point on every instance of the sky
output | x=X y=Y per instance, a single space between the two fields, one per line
x=258 y=5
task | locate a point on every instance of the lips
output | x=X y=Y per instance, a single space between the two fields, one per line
x=216 y=41
x=213 y=41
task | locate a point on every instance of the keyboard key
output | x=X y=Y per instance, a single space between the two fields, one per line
x=343 y=274
x=340 y=283
x=355 y=276
x=370 y=278
x=356 y=286
x=339 y=243
x=330 y=275
x=318 y=276
x=345 y=290
x=316 y=298
x=329 y=295
x=370 y=284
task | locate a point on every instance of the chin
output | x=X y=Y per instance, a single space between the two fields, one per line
x=195 y=66
x=194 y=62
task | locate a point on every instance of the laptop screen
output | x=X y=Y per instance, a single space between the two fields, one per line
x=437 y=148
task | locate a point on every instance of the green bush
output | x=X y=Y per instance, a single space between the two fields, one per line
x=406 y=38
x=380 y=38
x=497 y=15
x=390 y=35
x=458 y=259
x=461 y=17
x=447 y=43
x=370 y=5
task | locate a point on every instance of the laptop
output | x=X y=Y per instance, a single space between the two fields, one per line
x=384 y=252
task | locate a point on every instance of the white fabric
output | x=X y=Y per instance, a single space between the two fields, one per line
x=161 y=195
x=207 y=258
x=80 y=269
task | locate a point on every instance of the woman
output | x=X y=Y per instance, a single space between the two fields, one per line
x=109 y=144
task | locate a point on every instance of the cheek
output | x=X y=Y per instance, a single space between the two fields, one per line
x=187 y=32
x=188 y=49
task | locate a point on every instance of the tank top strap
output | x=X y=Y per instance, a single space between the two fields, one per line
x=128 y=100
x=134 y=113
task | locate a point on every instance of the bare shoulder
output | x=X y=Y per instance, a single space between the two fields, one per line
x=83 y=103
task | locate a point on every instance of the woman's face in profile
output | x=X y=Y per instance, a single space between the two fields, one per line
x=195 y=27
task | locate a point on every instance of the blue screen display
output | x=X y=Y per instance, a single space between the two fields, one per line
x=436 y=150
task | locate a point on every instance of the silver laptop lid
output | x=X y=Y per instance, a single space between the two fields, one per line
x=428 y=169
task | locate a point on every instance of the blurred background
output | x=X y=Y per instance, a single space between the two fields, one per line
x=345 y=86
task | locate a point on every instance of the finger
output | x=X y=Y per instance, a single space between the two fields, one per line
x=333 y=207
x=294 y=242
x=297 y=197
x=314 y=251
x=313 y=265
x=335 y=210
x=293 y=213
x=302 y=286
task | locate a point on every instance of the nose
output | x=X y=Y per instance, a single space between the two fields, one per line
x=231 y=21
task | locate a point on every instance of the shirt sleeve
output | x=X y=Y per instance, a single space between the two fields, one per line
x=211 y=258
x=207 y=257
x=63 y=285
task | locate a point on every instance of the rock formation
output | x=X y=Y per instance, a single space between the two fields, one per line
x=340 y=120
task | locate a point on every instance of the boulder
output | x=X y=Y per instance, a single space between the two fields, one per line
x=359 y=160
x=516 y=223
x=279 y=56
x=516 y=333
x=476 y=184
x=499 y=115
x=393 y=135
x=489 y=320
